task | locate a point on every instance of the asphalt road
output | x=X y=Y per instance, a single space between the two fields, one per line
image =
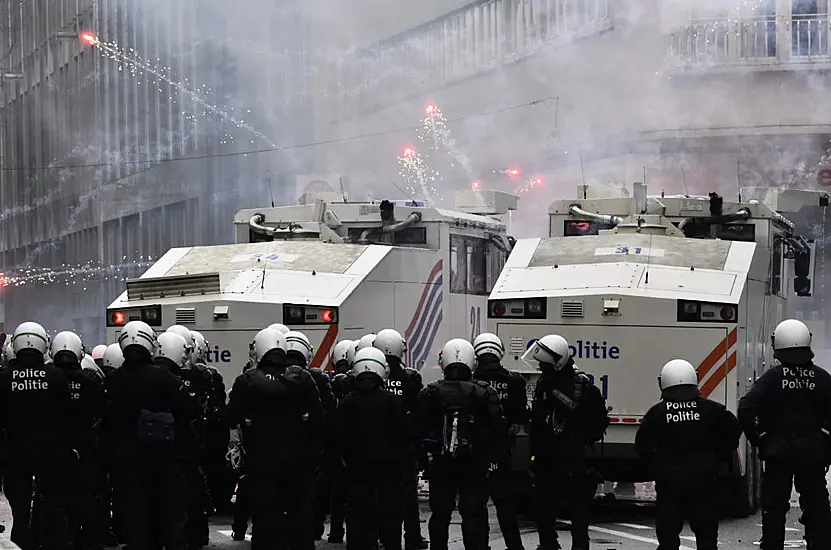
x=623 y=525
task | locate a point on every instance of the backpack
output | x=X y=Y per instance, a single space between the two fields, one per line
x=459 y=434
x=595 y=415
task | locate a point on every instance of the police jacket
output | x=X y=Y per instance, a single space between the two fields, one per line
x=687 y=438
x=405 y=383
x=279 y=411
x=196 y=386
x=137 y=392
x=563 y=415
x=510 y=387
x=86 y=406
x=371 y=429
x=34 y=408
x=487 y=429
x=324 y=389
x=785 y=412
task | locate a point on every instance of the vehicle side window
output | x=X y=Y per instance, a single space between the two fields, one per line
x=495 y=262
x=477 y=282
x=458 y=264
x=776 y=287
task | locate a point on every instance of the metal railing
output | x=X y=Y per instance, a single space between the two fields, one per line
x=474 y=39
x=752 y=40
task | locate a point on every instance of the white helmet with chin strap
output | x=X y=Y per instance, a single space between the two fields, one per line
x=190 y=341
x=113 y=357
x=299 y=342
x=173 y=347
x=371 y=360
x=89 y=364
x=677 y=372
x=137 y=333
x=391 y=343
x=68 y=341
x=341 y=350
x=551 y=349
x=488 y=343
x=366 y=341
x=200 y=353
x=267 y=340
x=790 y=334
x=457 y=352
x=279 y=326
x=31 y=336
x=98 y=351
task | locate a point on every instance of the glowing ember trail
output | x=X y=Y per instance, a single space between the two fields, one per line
x=89 y=38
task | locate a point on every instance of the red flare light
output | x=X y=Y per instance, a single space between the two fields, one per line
x=89 y=38
x=536 y=181
x=409 y=151
x=476 y=185
x=430 y=109
x=513 y=172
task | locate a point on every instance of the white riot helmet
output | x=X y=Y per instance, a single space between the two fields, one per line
x=200 y=354
x=97 y=352
x=371 y=360
x=32 y=336
x=790 y=334
x=366 y=341
x=68 y=341
x=489 y=343
x=173 y=347
x=341 y=351
x=350 y=353
x=457 y=352
x=677 y=373
x=267 y=340
x=89 y=364
x=391 y=343
x=137 y=333
x=299 y=342
x=113 y=357
x=551 y=349
x=280 y=326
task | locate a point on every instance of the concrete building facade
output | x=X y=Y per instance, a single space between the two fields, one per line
x=117 y=147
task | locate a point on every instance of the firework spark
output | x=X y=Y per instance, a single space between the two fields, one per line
x=417 y=174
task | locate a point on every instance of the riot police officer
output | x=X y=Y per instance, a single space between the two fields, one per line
x=112 y=359
x=372 y=438
x=148 y=425
x=787 y=416
x=568 y=413
x=511 y=390
x=686 y=438
x=97 y=354
x=406 y=384
x=85 y=412
x=34 y=409
x=462 y=429
x=282 y=424
x=343 y=383
x=174 y=354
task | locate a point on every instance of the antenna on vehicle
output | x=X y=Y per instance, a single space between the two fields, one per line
x=644 y=174
x=342 y=192
x=403 y=192
x=739 y=178
x=582 y=177
x=270 y=188
x=684 y=178
x=648 y=258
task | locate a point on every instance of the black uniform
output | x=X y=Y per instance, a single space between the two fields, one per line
x=372 y=437
x=323 y=479
x=784 y=415
x=342 y=385
x=510 y=387
x=462 y=428
x=197 y=386
x=149 y=428
x=220 y=477
x=282 y=423
x=406 y=384
x=86 y=409
x=685 y=441
x=568 y=413
x=34 y=410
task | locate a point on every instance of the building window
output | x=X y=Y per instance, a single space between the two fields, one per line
x=809 y=28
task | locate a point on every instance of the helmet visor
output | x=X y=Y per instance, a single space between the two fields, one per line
x=540 y=353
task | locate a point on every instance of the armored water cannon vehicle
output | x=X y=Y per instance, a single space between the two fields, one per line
x=332 y=269
x=633 y=282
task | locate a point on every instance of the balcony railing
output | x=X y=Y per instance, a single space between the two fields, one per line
x=753 y=40
x=474 y=39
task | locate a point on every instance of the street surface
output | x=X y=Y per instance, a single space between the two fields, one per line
x=623 y=525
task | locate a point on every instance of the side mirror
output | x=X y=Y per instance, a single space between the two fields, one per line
x=802 y=286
